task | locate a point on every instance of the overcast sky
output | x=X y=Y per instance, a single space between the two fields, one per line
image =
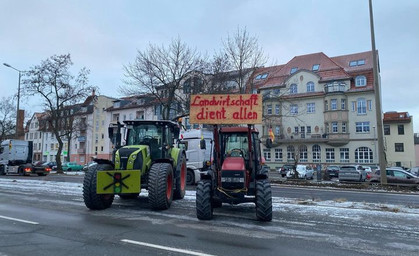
x=105 y=35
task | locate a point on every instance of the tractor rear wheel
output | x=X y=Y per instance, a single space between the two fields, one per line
x=160 y=186
x=180 y=189
x=263 y=200
x=204 y=209
x=92 y=200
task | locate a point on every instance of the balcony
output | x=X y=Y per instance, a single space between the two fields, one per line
x=335 y=87
x=338 y=139
x=296 y=139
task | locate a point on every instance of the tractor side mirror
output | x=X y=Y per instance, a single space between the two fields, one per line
x=110 y=133
x=202 y=144
x=268 y=143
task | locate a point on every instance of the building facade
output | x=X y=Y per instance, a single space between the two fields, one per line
x=398 y=139
x=321 y=110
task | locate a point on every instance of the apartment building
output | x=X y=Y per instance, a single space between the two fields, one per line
x=398 y=139
x=321 y=110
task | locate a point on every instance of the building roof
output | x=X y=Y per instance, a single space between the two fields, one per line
x=397 y=117
x=327 y=68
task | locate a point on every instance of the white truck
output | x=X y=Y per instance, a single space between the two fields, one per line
x=197 y=154
x=16 y=158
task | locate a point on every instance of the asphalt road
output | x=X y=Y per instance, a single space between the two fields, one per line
x=45 y=217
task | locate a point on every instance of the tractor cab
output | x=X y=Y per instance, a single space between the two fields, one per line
x=159 y=136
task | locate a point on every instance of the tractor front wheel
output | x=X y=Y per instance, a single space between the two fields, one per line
x=263 y=200
x=180 y=189
x=160 y=186
x=93 y=200
x=204 y=207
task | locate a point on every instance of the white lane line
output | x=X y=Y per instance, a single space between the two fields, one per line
x=20 y=220
x=165 y=248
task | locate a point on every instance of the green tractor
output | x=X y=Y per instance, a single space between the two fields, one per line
x=150 y=159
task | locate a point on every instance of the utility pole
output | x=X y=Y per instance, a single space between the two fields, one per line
x=378 y=110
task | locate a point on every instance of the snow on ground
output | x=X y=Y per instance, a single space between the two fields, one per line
x=337 y=208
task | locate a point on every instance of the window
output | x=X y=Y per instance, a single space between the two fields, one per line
x=333 y=104
x=326 y=105
x=316 y=153
x=293 y=70
x=343 y=127
x=187 y=86
x=330 y=155
x=361 y=106
x=293 y=89
x=278 y=155
x=353 y=106
x=290 y=153
x=354 y=63
x=400 y=129
x=344 y=155
x=310 y=87
x=303 y=153
x=362 y=127
x=296 y=130
x=342 y=104
x=315 y=67
x=269 y=109
x=115 y=117
x=261 y=76
x=311 y=108
x=386 y=129
x=363 y=155
x=294 y=109
x=399 y=147
x=360 y=81
x=308 y=129
x=303 y=131
x=277 y=130
x=277 y=92
x=267 y=154
x=277 y=109
x=334 y=127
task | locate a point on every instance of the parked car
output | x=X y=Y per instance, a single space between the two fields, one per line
x=415 y=171
x=333 y=170
x=72 y=166
x=395 y=176
x=304 y=172
x=50 y=164
x=285 y=168
x=38 y=163
x=352 y=173
x=367 y=168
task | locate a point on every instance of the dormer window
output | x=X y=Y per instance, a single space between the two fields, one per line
x=293 y=70
x=261 y=76
x=360 y=81
x=293 y=89
x=315 y=67
x=116 y=104
x=354 y=63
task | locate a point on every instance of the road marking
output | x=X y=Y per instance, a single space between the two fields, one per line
x=20 y=220
x=165 y=248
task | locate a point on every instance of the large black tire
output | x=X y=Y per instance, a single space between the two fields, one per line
x=190 y=177
x=204 y=207
x=160 y=186
x=263 y=200
x=92 y=200
x=2 y=170
x=181 y=173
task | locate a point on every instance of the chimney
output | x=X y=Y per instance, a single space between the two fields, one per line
x=93 y=92
x=20 y=119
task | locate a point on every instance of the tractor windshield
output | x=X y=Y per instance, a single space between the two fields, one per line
x=146 y=134
x=235 y=144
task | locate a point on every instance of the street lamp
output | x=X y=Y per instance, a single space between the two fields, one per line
x=18 y=96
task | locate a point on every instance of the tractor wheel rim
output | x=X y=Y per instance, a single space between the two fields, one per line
x=169 y=186
x=183 y=176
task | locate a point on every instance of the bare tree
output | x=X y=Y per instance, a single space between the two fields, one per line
x=58 y=89
x=7 y=118
x=243 y=54
x=160 y=71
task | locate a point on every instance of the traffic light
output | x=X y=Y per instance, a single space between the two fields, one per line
x=117 y=181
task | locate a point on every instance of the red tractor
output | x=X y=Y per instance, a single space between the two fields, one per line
x=237 y=174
